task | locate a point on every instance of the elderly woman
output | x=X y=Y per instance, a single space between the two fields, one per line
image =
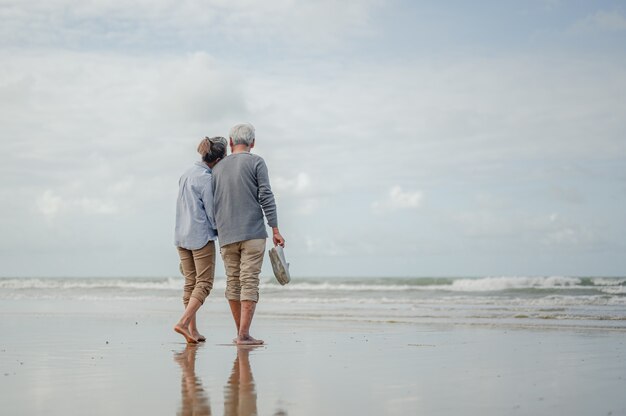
x=196 y=232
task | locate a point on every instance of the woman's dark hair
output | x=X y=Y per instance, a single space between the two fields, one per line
x=212 y=149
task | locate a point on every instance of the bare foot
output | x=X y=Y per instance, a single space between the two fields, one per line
x=185 y=332
x=248 y=340
x=193 y=330
x=198 y=336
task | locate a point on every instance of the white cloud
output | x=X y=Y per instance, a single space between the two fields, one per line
x=93 y=101
x=161 y=23
x=108 y=134
x=102 y=103
x=558 y=231
x=51 y=205
x=472 y=118
x=551 y=231
x=323 y=246
x=485 y=224
x=398 y=199
x=198 y=89
x=108 y=123
x=308 y=206
x=295 y=185
x=300 y=193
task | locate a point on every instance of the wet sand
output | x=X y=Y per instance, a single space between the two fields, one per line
x=80 y=357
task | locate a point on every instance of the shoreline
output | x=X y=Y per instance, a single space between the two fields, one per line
x=270 y=311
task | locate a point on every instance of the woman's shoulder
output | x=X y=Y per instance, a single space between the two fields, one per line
x=199 y=174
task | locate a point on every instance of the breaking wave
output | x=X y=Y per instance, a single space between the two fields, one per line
x=613 y=286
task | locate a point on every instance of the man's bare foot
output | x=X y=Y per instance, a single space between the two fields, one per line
x=247 y=340
x=181 y=329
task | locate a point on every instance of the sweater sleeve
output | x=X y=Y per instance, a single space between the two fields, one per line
x=266 y=197
x=207 y=201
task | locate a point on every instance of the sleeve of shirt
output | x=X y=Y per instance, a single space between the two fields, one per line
x=207 y=201
x=266 y=196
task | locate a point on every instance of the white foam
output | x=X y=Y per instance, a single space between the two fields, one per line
x=614 y=290
x=485 y=284
x=96 y=283
x=341 y=300
x=614 y=286
x=603 y=281
x=491 y=284
x=327 y=286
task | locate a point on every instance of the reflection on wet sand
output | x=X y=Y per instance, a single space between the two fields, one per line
x=195 y=401
x=239 y=393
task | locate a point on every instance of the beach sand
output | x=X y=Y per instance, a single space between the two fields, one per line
x=60 y=357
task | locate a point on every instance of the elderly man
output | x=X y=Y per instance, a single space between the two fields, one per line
x=242 y=194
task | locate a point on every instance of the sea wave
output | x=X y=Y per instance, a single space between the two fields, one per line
x=484 y=284
x=610 y=286
x=91 y=283
x=328 y=286
x=605 y=281
x=492 y=284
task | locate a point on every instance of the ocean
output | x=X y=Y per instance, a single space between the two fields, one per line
x=550 y=301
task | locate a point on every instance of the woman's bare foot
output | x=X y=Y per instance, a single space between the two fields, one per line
x=247 y=340
x=181 y=329
x=198 y=336
x=193 y=330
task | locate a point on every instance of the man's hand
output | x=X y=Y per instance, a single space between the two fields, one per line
x=277 y=238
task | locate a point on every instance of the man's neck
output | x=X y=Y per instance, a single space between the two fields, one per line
x=239 y=148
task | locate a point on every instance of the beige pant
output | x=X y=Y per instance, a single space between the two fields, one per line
x=198 y=267
x=243 y=261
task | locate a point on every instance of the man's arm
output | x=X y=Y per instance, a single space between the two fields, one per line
x=266 y=199
x=277 y=238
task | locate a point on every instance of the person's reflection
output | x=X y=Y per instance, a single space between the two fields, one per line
x=194 y=399
x=240 y=391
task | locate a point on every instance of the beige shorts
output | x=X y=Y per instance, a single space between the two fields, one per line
x=198 y=267
x=243 y=261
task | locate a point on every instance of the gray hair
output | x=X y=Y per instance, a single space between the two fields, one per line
x=242 y=134
x=212 y=148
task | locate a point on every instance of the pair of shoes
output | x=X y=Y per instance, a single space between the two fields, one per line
x=279 y=265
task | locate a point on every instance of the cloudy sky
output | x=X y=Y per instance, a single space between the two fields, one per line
x=403 y=138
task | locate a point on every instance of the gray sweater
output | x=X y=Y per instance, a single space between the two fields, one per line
x=241 y=194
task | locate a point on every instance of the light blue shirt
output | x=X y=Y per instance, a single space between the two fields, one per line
x=195 y=225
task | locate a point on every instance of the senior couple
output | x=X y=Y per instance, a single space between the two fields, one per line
x=224 y=198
